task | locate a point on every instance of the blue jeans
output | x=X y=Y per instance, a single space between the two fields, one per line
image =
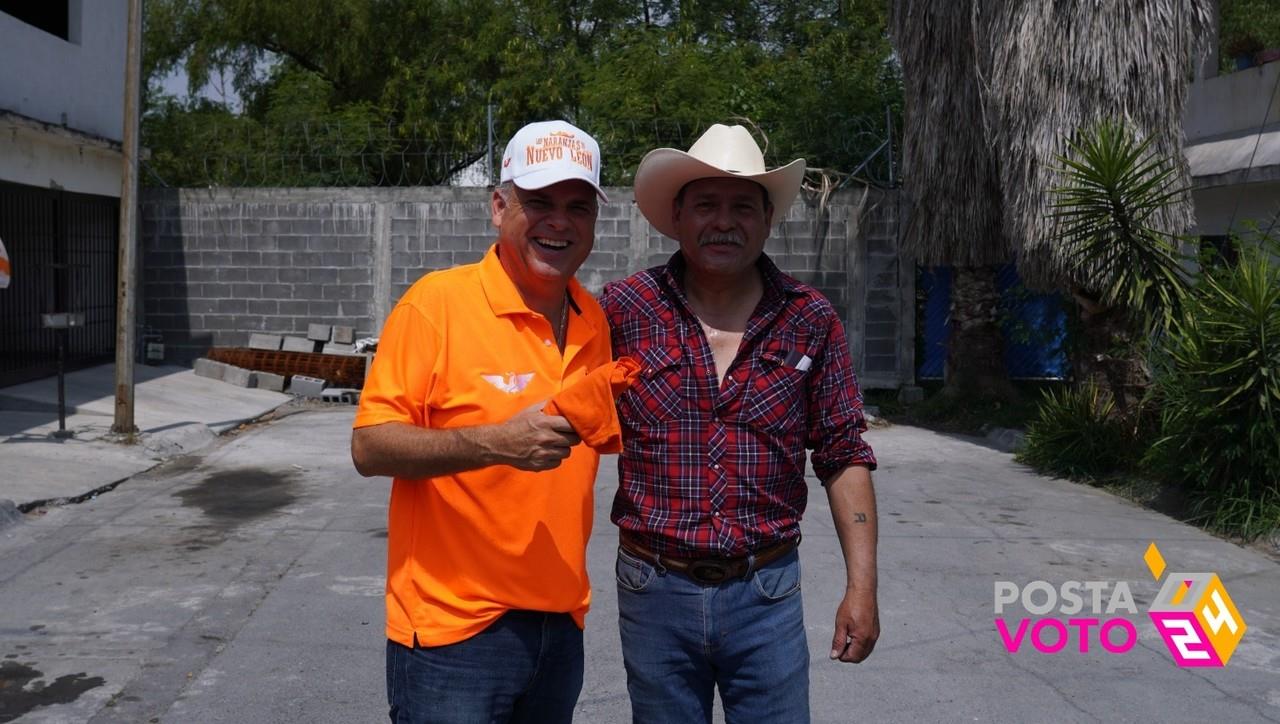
x=526 y=667
x=682 y=640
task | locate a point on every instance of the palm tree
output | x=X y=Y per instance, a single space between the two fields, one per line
x=952 y=181
x=1051 y=70
x=995 y=91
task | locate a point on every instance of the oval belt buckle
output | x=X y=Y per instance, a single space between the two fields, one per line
x=708 y=571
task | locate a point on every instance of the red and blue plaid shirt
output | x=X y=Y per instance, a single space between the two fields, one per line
x=718 y=470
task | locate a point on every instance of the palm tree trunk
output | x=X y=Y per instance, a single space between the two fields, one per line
x=975 y=354
x=1107 y=355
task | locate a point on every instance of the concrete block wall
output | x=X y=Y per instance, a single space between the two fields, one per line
x=221 y=264
x=218 y=266
x=885 y=282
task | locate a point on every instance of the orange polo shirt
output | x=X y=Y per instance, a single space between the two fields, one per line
x=461 y=348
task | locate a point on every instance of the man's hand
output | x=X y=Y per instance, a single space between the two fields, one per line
x=529 y=441
x=533 y=440
x=857 y=627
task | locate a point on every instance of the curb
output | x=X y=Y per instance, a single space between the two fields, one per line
x=1005 y=439
x=162 y=446
x=9 y=513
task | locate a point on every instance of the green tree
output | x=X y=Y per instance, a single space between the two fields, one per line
x=1246 y=26
x=421 y=73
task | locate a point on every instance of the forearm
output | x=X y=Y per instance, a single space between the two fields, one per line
x=853 y=510
x=401 y=450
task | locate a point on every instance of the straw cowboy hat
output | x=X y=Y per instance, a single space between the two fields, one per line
x=721 y=152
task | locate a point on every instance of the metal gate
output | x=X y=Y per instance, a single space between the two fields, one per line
x=62 y=248
x=1034 y=327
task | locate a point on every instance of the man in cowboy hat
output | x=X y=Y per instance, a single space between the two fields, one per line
x=491 y=505
x=742 y=368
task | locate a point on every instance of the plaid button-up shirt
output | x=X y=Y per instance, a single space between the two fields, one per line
x=713 y=469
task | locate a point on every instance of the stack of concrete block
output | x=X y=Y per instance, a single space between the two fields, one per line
x=239 y=376
x=272 y=342
x=268 y=381
x=347 y=395
x=304 y=386
x=298 y=344
x=320 y=339
x=209 y=368
x=341 y=340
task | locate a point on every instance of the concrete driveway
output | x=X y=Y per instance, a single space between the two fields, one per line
x=244 y=585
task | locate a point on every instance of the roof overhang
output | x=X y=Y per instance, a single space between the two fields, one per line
x=16 y=123
x=1251 y=156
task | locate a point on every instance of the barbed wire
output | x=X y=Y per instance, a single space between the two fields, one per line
x=232 y=152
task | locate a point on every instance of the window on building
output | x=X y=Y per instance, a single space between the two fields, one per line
x=52 y=17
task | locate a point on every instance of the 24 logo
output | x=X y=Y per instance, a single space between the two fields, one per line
x=1193 y=613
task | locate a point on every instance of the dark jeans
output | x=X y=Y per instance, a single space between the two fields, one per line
x=524 y=668
x=682 y=641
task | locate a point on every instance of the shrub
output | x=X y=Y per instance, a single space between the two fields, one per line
x=1218 y=379
x=1077 y=434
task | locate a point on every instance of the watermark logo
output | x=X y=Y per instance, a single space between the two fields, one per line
x=1194 y=614
x=1081 y=602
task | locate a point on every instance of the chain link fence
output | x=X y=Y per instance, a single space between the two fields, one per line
x=1035 y=326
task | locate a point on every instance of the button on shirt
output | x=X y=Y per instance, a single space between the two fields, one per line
x=711 y=469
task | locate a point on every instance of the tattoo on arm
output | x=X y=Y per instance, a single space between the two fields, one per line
x=859 y=517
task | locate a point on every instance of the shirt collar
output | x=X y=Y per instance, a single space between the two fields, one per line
x=501 y=291
x=776 y=284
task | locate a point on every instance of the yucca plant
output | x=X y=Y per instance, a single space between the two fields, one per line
x=1077 y=435
x=1114 y=186
x=1127 y=271
x=1219 y=384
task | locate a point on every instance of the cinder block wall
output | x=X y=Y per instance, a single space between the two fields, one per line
x=219 y=264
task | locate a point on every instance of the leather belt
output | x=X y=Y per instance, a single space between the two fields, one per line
x=710 y=571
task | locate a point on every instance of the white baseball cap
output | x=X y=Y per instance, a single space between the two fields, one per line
x=548 y=152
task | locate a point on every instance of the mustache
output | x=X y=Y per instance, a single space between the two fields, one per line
x=722 y=238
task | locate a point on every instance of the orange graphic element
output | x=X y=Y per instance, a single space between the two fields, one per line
x=1155 y=561
x=1177 y=597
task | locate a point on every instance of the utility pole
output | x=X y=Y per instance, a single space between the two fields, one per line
x=127 y=272
x=493 y=181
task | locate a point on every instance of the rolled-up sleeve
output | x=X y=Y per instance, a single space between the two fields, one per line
x=836 y=422
x=403 y=371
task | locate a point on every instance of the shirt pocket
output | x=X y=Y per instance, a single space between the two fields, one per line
x=657 y=396
x=776 y=399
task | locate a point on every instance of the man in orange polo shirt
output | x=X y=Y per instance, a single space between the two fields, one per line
x=492 y=501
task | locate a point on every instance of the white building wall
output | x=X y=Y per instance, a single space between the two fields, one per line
x=1232 y=125
x=62 y=101
x=50 y=158
x=1221 y=208
x=79 y=82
